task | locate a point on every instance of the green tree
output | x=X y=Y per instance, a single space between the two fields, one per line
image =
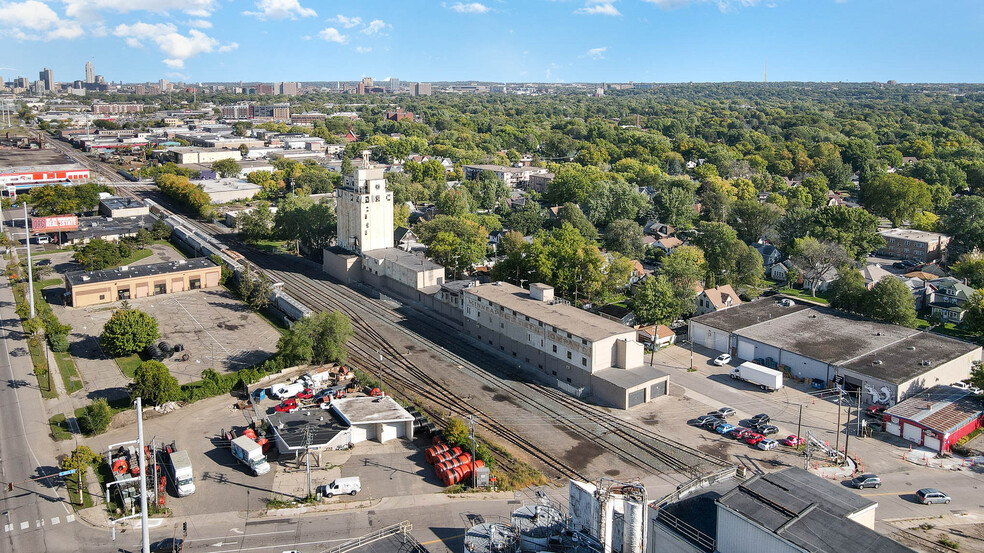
x=818 y=187
x=454 y=202
x=896 y=197
x=319 y=339
x=752 y=220
x=613 y=200
x=848 y=292
x=127 y=331
x=455 y=242
x=254 y=289
x=98 y=254
x=719 y=243
x=243 y=150
x=974 y=321
x=684 y=267
x=625 y=237
x=970 y=266
x=96 y=417
x=256 y=224
x=654 y=301
x=226 y=168
x=153 y=382
x=748 y=269
x=528 y=219
x=890 y=300
x=571 y=213
x=488 y=191
x=80 y=459
x=674 y=201
x=963 y=221
x=816 y=258
x=854 y=229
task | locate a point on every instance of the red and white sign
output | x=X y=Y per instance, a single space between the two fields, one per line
x=55 y=223
x=42 y=177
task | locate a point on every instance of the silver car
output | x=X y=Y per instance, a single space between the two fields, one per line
x=932 y=495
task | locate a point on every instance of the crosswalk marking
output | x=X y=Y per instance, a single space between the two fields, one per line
x=55 y=521
x=38 y=523
x=25 y=525
x=8 y=527
x=70 y=518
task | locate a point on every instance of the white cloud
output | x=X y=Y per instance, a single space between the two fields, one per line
x=375 y=26
x=34 y=20
x=331 y=34
x=473 y=7
x=174 y=45
x=363 y=49
x=90 y=8
x=598 y=7
x=347 y=22
x=281 y=9
x=176 y=75
x=200 y=23
x=597 y=53
x=723 y=5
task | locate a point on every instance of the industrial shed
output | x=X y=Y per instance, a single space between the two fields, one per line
x=887 y=362
x=374 y=418
x=625 y=388
x=935 y=418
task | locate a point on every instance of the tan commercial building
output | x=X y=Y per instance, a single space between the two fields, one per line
x=140 y=281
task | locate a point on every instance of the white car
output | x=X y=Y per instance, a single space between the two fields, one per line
x=766 y=445
x=722 y=359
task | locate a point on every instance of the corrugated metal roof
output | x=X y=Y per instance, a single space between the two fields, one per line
x=943 y=409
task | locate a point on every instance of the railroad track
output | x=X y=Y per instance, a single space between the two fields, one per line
x=80 y=158
x=634 y=445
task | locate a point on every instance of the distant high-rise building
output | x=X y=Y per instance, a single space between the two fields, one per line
x=100 y=79
x=367 y=82
x=266 y=89
x=393 y=84
x=90 y=72
x=47 y=76
x=164 y=85
x=421 y=89
x=21 y=82
x=287 y=89
x=38 y=87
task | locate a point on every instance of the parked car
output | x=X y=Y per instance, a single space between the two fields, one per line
x=168 y=545
x=306 y=393
x=767 y=445
x=874 y=411
x=768 y=429
x=932 y=495
x=738 y=433
x=724 y=428
x=726 y=412
x=711 y=423
x=699 y=421
x=792 y=441
x=753 y=438
x=760 y=418
x=722 y=359
x=287 y=406
x=866 y=481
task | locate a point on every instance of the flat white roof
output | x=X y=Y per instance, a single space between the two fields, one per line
x=370 y=410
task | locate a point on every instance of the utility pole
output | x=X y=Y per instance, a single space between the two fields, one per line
x=799 y=422
x=307 y=455
x=30 y=270
x=847 y=431
x=837 y=434
x=144 y=529
x=471 y=432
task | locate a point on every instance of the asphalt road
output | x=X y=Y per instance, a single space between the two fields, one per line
x=34 y=515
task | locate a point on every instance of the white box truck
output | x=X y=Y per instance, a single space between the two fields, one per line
x=184 y=478
x=351 y=485
x=284 y=391
x=250 y=454
x=764 y=377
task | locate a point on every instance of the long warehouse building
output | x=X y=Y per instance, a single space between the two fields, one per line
x=887 y=362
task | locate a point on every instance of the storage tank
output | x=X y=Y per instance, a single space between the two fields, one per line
x=490 y=537
x=536 y=525
x=633 y=521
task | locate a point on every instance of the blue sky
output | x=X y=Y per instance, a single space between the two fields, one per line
x=495 y=40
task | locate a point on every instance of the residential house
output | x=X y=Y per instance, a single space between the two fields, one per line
x=770 y=255
x=351 y=137
x=512 y=176
x=822 y=281
x=617 y=313
x=655 y=336
x=649 y=241
x=638 y=272
x=541 y=182
x=669 y=243
x=655 y=228
x=780 y=271
x=407 y=240
x=947 y=298
x=917 y=287
x=873 y=272
x=918 y=245
x=710 y=300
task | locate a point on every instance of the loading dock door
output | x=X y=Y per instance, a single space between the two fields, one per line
x=637 y=397
x=893 y=429
x=912 y=433
x=932 y=443
x=658 y=389
x=746 y=351
x=721 y=341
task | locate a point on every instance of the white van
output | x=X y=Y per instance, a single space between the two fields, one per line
x=351 y=485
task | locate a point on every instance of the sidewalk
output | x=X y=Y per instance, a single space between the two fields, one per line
x=928 y=458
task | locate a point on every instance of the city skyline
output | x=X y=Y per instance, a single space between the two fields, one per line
x=494 y=41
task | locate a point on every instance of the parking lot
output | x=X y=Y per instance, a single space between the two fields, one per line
x=710 y=387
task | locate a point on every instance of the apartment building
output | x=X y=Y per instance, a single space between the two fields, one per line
x=917 y=245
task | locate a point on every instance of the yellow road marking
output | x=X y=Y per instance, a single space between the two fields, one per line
x=440 y=541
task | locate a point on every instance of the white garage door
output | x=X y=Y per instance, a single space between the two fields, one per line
x=746 y=351
x=359 y=434
x=388 y=432
x=893 y=429
x=932 y=443
x=912 y=433
x=721 y=341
